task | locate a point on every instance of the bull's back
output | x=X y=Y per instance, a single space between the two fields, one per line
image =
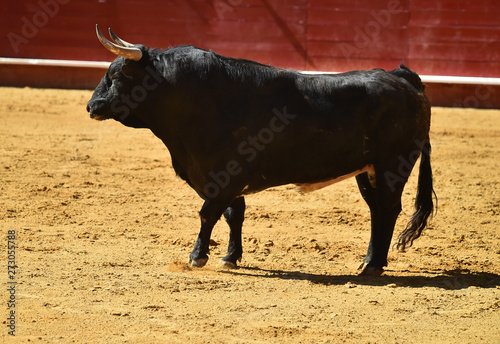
x=343 y=123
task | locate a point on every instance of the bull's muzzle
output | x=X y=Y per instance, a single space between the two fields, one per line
x=93 y=113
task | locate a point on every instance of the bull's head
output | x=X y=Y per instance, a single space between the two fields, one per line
x=129 y=80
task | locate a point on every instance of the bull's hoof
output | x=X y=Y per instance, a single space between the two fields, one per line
x=197 y=262
x=368 y=270
x=226 y=264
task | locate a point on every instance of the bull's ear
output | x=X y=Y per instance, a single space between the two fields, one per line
x=133 y=69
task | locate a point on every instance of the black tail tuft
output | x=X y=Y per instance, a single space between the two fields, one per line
x=424 y=205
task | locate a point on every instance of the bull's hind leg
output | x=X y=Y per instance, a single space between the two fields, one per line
x=384 y=201
x=234 y=215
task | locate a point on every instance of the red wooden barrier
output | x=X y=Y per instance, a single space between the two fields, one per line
x=439 y=37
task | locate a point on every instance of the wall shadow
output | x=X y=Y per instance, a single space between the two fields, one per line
x=287 y=32
x=445 y=279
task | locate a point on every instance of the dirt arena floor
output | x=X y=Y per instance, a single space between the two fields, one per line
x=103 y=229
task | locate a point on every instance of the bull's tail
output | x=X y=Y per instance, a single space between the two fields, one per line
x=424 y=205
x=410 y=76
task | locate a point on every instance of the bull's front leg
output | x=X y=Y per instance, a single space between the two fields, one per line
x=209 y=215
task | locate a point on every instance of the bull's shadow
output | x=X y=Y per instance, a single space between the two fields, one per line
x=445 y=279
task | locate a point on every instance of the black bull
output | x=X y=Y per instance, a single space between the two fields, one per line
x=235 y=127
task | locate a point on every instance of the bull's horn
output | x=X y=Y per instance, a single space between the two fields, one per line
x=131 y=53
x=118 y=40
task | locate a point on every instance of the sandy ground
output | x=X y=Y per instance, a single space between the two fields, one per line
x=104 y=228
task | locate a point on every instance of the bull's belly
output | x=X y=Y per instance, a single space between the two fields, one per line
x=309 y=187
